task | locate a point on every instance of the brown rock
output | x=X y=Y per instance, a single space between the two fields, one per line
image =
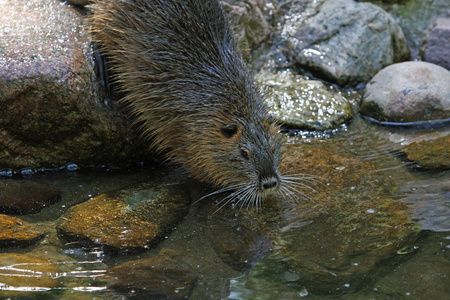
x=25 y=273
x=159 y=277
x=26 y=196
x=433 y=154
x=133 y=218
x=15 y=232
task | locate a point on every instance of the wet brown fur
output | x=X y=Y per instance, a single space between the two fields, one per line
x=177 y=63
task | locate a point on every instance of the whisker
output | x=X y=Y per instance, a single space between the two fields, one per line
x=306 y=183
x=223 y=190
x=299 y=175
x=232 y=197
x=259 y=199
x=294 y=190
x=251 y=199
x=309 y=178
x=285 y=192
x=246 y=198
x=298 y=184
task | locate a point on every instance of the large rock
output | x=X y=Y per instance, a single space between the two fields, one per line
x=23 y=275
x=26 y=196
x=15 y=232
x=437 y=47
x=408 y=92
x=51 y=110
x=130 y=219
x=343 y=41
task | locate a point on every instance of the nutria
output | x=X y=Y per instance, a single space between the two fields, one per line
x=177 y=64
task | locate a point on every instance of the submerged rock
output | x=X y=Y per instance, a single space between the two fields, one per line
x=343 y=41
x=304 y=104
x=26 y=196
x=437 y=47
x=433 y=154
x=408 y=92
x=23 y=275
x=424 y=278
x=428 y=200
x=333 y=239
x=157 y=277
x=17 y=233
x=130 y=219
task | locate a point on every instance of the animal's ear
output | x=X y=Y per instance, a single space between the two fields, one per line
x=229 y=130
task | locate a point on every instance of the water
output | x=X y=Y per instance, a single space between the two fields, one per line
x=421 y=268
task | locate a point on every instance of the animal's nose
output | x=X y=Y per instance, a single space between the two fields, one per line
x=269 y=183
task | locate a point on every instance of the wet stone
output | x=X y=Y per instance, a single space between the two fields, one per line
x=52 y=110
x=304 y=104
x=433 y=154
x=17 y=233
x=23 y=275
x=130 y=219
x=408 y=92
x=159 y=277
x=26 y=196
x=342 y=41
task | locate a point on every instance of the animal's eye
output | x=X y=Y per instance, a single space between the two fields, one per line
x=245 y=154
x=229 y=130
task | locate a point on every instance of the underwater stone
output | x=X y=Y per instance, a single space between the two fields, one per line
x=134 y=218
x=159 y=277
x=26 y=196
x=433 y=154
x=17 y=233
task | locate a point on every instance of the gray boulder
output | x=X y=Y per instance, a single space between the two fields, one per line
x=408 y=92
x=344 y=41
